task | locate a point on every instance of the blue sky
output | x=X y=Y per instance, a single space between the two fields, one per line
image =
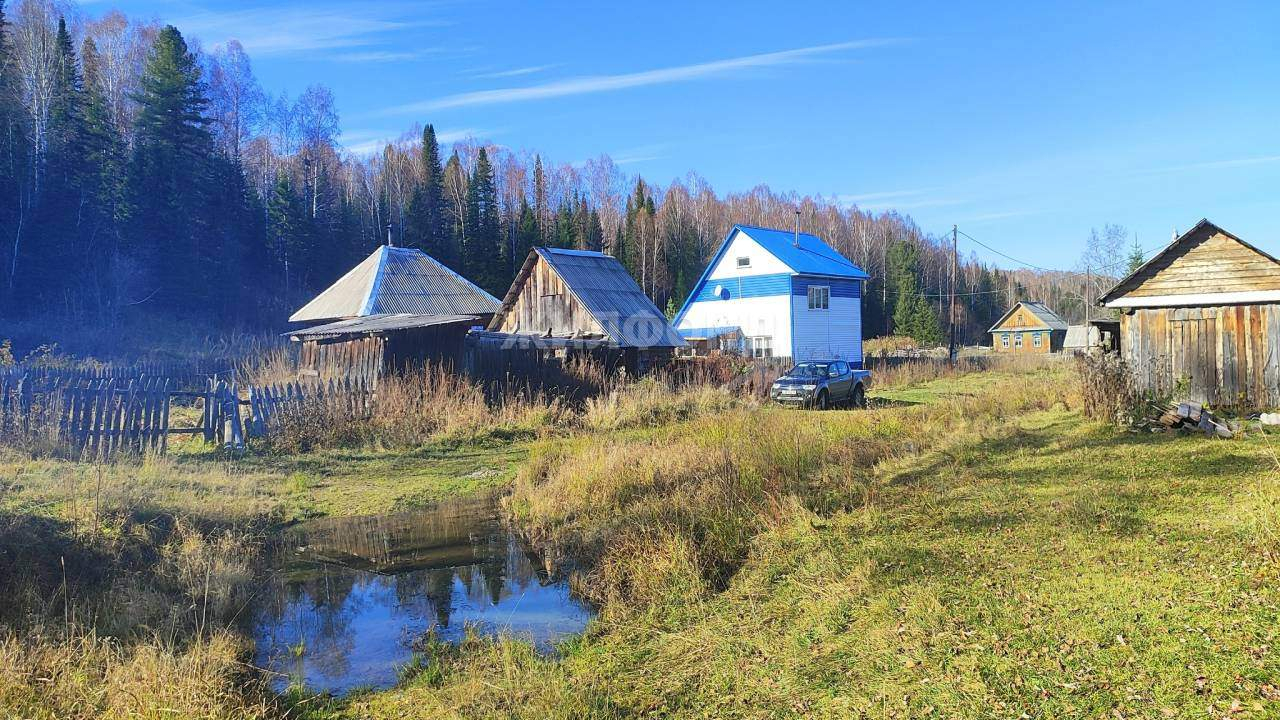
x=1025 y=123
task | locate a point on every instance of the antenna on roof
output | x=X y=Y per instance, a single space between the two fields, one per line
x=389 y=243
x=796 y=241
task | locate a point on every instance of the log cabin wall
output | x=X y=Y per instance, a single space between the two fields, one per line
x=1228 y=356
x=545 y=303
x=356 y=357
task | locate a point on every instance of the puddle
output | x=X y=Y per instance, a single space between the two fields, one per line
x=354 y=594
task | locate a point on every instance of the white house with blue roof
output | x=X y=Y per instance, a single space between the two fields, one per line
x=784 y=294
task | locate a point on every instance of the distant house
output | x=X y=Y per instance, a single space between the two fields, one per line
x=1205 y=311
x=1028 y=327
x=566 y=301
x=774 y=293
x=398 y=308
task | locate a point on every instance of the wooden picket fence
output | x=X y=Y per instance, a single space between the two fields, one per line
x=99 y=418
x=352 y=395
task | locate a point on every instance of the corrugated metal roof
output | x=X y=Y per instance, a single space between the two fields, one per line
x=383 y=322
x=1040 y=310
x=810 y=256
x=398 y=281
x=609 y=293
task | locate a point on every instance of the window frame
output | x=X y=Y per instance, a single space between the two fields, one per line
x=1036 y=341
x=742 y=262
x=1004 y=341
x=1017 y=341
x=819 y=297
x=760 y=346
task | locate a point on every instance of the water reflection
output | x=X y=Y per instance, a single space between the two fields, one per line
x=354 y=593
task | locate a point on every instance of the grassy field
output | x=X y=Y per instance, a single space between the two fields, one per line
x=971 y=548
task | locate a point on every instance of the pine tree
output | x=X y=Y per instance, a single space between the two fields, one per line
x=14 y=170
x=168 y=173
x=912 y=314
x=427 y=226
x=1136 y=257
x=526 y=233
x=63 y=159
x=482 y=255
x=103 y=146
x=540 y=209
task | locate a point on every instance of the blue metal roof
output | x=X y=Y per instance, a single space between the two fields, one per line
x=806 y=255
x=811 y=256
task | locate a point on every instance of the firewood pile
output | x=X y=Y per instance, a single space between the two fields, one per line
x=1188 y=416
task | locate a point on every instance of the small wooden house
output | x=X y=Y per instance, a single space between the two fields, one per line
x=1204 y=314
x=1028 y=327
x=564 y=301
x=398 y=308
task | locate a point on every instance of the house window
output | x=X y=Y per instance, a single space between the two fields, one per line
x=744 y=262
x=1035 y=339
x=761 y=347
x=1017 y=341
x=819 y=297
x=1004 y=340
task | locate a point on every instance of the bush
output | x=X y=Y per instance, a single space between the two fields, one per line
x=1107 y=390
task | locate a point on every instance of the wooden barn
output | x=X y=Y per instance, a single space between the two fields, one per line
x=1028 y=327
x=579 y=301
x=399 y=308
x=1204 y=312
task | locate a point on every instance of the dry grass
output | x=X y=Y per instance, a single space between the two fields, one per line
x=888 y=344
x=696 y=494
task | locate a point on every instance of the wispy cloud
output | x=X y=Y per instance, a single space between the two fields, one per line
x=607 y=83
x=641 y=153
x=1214 y=165
x=516 y=72
x=378 y=56
x=300 y=29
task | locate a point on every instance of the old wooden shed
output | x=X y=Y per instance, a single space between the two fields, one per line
x=1204 y=313
x=567 y=299
x=399 y=308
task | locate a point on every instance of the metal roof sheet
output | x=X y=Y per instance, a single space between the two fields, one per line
x=398 y=281
x=805 y=254
x=383 y=322
x=609 y=293
x=707 y=333
x=1039 y=309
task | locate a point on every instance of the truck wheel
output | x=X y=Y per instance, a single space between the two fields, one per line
x=859 y=397
x=823 y=401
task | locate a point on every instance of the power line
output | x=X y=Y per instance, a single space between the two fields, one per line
x=1003 y=255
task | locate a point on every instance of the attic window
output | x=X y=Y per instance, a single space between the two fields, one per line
x=744 y=262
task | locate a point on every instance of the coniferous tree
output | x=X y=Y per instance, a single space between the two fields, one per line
x=168 y=172
x=63 y=158
x=14 y=172
x=482 y=256
x=526 y=233
x=1136 y=257
x=912 y=314
x=540 y=210
x=427 y=226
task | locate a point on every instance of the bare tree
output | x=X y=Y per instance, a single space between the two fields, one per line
x=236 y=99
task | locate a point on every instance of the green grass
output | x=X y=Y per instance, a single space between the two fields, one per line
x=1028 y=564
x=972 y=549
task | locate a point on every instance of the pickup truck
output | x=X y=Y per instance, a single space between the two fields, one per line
x=822 y=384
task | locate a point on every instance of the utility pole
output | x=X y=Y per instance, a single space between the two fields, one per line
x=951 y=341
x=1088 y=290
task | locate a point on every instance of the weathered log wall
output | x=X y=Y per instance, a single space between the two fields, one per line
x=1229 y=356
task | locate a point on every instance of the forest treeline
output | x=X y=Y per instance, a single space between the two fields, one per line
x=140 y=176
